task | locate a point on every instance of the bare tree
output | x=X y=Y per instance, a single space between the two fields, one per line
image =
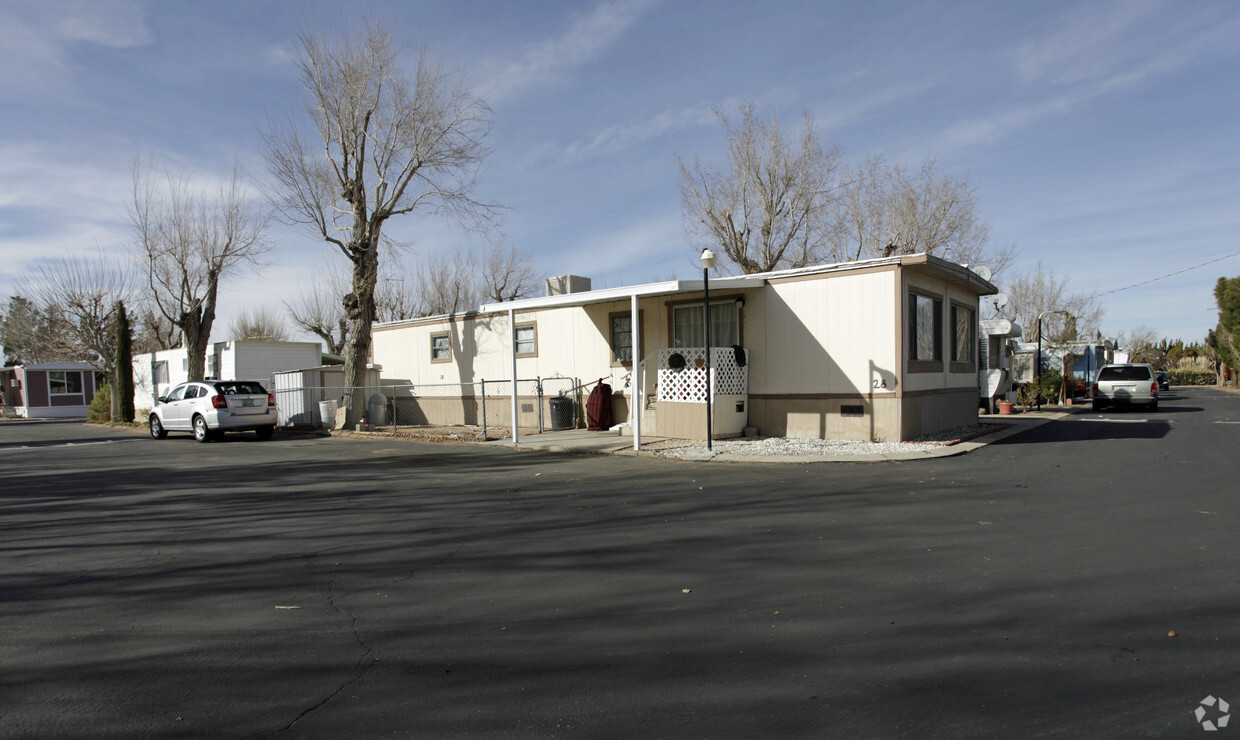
x=1040 y=291
x=507 y=274
x=84 y=291
x=405 y=290
x=188 y=242
x=259 y=324
x=769 y=209
x=888 y=210
x=1141 y=344
x=447 y=285
x=319 y=311
x=386 y=146
x=154 y=331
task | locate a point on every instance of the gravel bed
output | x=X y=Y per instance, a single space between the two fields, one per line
x=794 y=447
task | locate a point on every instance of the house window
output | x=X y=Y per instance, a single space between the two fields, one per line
x=526 y=342
x=441 y=350
x=63 y=382
x=964 y=334
x=688 y=328
x=621 y=339
x=925 y=328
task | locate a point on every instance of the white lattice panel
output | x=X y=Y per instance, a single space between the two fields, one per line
x=688 y=385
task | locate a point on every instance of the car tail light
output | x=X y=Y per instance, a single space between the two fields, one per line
x=219 y=402
x=1154 y=387
x=271 y=399
x=1095 y=387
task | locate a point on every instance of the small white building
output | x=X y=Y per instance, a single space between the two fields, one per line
x=155 y=373
x=883 y=349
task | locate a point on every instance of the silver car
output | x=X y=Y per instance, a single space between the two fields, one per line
x=1128 y=384
x=208 y=408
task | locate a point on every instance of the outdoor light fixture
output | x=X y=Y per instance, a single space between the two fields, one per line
x=1037 y=378
x=708 y=262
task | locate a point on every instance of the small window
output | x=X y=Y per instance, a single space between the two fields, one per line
x=441 y=350
x=527 y=340
x=925 y=328
x=621 y=339
x=964 y=333
x=62 y=382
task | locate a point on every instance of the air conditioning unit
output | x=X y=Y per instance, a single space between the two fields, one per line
x=565 y=284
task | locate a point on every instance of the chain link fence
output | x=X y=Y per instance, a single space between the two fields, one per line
x=482 y=410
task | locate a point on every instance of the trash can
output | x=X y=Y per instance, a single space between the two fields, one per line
x=376 y=413
x=563 y=413
x=327 y=414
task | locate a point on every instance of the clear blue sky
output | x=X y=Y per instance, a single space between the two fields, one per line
x=1101 y=136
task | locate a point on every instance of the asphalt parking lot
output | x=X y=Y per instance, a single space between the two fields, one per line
x=315 y=587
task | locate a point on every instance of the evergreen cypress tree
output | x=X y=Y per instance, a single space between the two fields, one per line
x=122 y=389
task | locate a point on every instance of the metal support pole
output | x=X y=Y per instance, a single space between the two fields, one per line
x=483 y=386
x=1037 y=377
x=538 y=382
x=710 y=394
x=638 y=382
x=512 y=346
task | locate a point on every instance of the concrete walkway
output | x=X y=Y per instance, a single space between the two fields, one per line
x=614 y=443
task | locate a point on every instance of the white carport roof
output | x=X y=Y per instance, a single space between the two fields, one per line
x=607 y=295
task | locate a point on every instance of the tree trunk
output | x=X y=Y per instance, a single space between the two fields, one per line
x=359 y=306
x=196 y=328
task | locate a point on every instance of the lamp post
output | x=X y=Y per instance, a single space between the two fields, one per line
x=708 y=262
x=1037 y=379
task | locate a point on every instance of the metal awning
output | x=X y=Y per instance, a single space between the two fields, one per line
x=607 y=295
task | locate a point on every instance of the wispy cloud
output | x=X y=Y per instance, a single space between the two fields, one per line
x=116 y=23
x=585 y=39
x=36 y=40
x=1072 y=72
x=621 y=137
x=1092 y=43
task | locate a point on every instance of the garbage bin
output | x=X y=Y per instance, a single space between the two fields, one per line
x=376 y=414
x=563 y=413
x=327 y=414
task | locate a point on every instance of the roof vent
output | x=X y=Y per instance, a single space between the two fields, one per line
x=565 y=284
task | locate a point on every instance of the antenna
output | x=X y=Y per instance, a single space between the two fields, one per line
x=999 y=301
x=982 y=271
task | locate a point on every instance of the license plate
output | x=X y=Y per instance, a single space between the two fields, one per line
x=247 y=402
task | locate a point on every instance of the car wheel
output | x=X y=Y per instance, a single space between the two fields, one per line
x=1097 y=406
x=201 y=432
x=157 y=429
x=1154 y=406
x=265 y=432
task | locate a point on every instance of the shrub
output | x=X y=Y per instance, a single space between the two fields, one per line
x=1192 y=377
x=101 y=406
x=1049 y=385
x=1025 y=396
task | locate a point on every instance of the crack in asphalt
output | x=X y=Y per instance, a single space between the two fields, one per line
x=361 y=668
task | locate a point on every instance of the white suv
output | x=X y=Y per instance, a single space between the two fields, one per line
x=1129 y=384
x=208 y=408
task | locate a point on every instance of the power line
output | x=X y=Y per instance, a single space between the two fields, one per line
x=1164 y=277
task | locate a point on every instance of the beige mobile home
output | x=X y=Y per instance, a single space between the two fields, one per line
x=881 y=350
